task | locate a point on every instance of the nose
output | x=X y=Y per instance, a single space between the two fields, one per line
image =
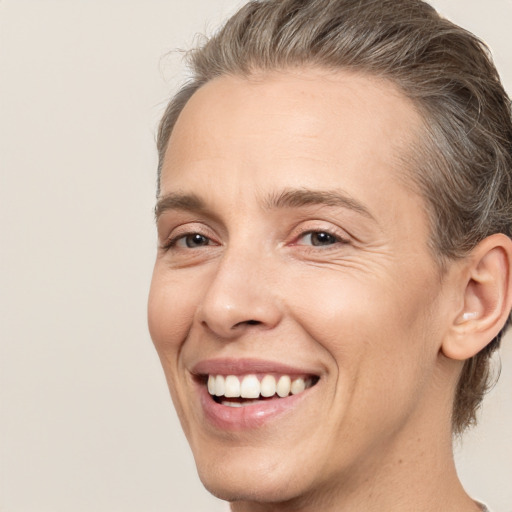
x=241 y=295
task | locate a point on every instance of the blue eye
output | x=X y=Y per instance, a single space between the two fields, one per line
x=319 y=238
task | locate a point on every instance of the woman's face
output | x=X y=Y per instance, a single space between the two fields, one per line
x=292 y=250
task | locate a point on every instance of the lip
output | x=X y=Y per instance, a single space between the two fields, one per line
x=251 y=416
x=247 y=366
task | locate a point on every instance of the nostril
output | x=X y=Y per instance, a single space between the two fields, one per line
x=249 y=322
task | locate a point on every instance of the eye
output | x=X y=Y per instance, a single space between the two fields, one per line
x=191 y=241
x=318 y=238
x=187 y=241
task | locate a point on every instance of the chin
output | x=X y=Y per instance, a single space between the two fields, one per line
x=251 y=491
x=252 y=479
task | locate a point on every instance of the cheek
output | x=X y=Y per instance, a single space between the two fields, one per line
x=171 y=308
x=379 y=350
x=363 y=321
x=170 y=312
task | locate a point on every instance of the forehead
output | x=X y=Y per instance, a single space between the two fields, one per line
x=308 y=129
x=298 y=114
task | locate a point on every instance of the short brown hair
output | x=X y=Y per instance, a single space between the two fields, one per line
x=464 y=166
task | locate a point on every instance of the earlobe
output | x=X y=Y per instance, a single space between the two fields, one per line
x=487 y=298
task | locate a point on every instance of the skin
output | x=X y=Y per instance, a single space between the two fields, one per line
x=367 y=311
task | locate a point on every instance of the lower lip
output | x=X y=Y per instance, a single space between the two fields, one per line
x=249 y=416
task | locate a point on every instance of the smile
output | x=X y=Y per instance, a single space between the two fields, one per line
x=252 y=389
x=247 y=394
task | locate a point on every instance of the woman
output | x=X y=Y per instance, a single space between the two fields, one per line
x=334 y=256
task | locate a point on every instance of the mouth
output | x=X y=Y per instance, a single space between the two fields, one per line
x=253 y=389
x=247 y=394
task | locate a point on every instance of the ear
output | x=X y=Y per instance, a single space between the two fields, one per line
x=486 y=293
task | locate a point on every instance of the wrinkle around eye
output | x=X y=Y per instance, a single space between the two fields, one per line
x=175 y=253
x=175 y=257
x=350 y=263
x=345 y=254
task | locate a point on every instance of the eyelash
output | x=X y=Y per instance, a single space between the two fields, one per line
x=172 y=242
x=336 y=239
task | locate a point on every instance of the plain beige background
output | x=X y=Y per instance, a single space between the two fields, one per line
x=86 y=422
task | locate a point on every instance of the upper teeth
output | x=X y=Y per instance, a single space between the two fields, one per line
x=250 y=386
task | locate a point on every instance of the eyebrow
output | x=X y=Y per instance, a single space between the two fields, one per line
x=296 y=198
x=288 y=198
x=177 y=201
